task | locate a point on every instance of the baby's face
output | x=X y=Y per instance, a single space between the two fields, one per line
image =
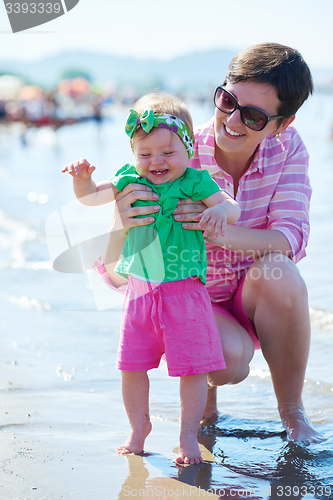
x=160 y=157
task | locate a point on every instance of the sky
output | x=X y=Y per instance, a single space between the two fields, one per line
x=158 y=29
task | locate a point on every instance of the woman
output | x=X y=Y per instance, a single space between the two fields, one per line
x=251 y=149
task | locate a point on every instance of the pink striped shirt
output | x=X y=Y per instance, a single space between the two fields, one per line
x=274 y=193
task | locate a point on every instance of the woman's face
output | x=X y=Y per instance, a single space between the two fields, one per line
x=231 y=135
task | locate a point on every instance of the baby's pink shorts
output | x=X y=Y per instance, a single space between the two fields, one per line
x=175 y=318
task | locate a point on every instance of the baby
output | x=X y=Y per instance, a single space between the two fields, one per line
x=167 y=310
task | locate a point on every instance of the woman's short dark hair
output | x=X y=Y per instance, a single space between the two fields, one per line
x=278 y=65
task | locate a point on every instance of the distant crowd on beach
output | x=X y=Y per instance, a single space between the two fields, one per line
x=74 y=100
x=71 y=102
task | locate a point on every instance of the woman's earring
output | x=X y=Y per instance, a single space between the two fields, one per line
x=278 y=135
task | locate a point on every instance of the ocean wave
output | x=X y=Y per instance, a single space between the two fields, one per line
x=13 y=235
x=258 y=372
x=26 y=302
x=321 y=319
x=34 y=265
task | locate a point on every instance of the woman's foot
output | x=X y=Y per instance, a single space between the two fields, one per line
x=135 y=442
x=211 y=413
x=189 y=452
x=298 y=426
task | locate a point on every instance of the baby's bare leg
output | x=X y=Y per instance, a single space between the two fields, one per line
x=135 y=391
x=193 y=397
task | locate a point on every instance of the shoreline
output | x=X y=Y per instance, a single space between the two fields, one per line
x=59 y=441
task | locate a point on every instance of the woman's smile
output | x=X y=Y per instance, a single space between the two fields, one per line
x=232 y=132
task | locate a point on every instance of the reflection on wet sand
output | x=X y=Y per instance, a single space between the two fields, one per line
x=169 y=480
x=181 y=481
x=290 y=472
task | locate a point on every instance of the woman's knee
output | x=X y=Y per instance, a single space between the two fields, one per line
x=229 y=376
x=238 y=351
x=241 y=375
x=277 y=278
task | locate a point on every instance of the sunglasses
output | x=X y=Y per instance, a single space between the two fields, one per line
x=253 y=118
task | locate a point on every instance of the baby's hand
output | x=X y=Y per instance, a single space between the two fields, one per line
x=80 y=170
x=213 y=219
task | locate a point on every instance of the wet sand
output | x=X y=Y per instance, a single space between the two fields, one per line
x=59 y=433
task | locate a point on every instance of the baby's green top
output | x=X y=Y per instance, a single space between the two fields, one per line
x=163 y=250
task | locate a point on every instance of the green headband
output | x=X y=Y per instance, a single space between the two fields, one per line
x=148 y=120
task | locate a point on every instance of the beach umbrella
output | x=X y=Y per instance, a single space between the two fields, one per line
x=80 y=85
x=30 y=93
x=75 y=86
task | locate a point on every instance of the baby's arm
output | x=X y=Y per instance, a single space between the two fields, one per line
x=85 y=189
x=222 y=210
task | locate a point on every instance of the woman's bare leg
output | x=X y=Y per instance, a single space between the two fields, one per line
x=238 y=351
x=275 y=299
x=135 y=391
x=193 y=397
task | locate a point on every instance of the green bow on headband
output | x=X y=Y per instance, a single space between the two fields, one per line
x=147 y=120
x=134 y=120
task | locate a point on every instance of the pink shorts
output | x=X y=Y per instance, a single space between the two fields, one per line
x=175 y=318
x=234 y=309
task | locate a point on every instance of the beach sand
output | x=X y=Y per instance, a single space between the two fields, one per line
x=59 y=430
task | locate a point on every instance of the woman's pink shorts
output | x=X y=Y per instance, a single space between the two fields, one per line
x=175 y=318
x=234 y=309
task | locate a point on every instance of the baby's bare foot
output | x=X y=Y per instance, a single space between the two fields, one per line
x=298 y=426
x=135 y=442
x=189 y=452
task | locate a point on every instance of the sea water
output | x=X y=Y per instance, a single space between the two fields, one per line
x=60 y=391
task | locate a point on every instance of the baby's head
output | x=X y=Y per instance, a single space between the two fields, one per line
x=161 y=131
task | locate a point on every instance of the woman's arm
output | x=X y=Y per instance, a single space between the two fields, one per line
x=251 y=242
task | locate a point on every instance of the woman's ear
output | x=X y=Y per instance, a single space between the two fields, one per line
x=286 y=122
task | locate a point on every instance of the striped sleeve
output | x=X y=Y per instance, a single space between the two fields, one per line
x=288 y=210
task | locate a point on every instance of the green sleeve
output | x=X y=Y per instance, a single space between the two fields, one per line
x=124 y=176
x=204 y=186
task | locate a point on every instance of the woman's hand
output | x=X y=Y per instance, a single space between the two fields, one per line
x=186 y=210
x=125 y=213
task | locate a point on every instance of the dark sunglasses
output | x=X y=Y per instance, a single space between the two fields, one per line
x=253 y=118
